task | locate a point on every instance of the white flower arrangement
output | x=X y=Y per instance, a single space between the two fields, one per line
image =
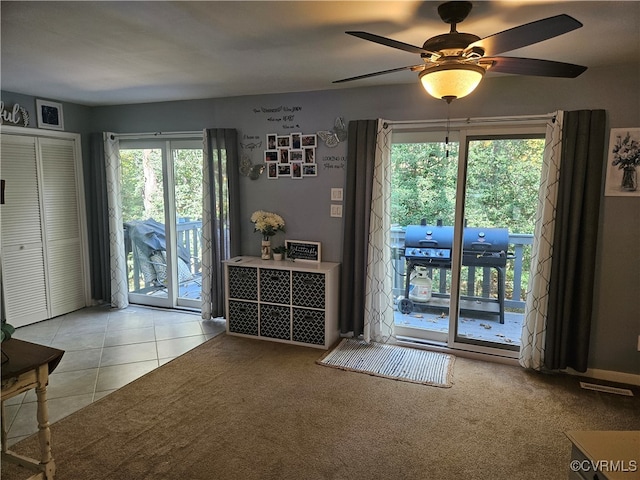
x=267 y=223
x=626 y=152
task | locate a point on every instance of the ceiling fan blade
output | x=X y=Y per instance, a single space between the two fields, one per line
x=391 y=43
x=526 y=34
x=414 y=68
x=533 y=66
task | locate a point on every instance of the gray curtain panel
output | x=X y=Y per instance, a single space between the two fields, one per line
x=224 y=207
x=97 y=219
x=360 y=162
x=575 y=238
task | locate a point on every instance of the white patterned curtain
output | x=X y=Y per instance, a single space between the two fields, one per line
x=378 y=305
x=118 y=261
x=535 y=317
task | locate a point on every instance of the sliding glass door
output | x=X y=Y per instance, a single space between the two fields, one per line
x=162 y=215
x=424 y=178
x=463 y=214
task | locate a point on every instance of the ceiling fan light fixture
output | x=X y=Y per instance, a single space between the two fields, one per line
x=451 y=81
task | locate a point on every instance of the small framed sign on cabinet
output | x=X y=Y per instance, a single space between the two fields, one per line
x=303 y=251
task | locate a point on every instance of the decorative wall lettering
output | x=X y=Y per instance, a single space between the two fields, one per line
x=247 y=168
x=250 y=142
x=284 y=115
x=16 y=115
x=330 y=162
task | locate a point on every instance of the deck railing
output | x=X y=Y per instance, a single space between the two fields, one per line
x=188 y=236
x=476 y=281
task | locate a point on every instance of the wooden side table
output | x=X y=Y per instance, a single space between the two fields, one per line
x=605 y=455
x=28 y=366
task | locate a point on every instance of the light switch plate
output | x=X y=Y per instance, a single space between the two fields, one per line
x=336 y=210
x=336 y=195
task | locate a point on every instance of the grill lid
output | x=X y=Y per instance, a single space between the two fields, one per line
x=434 y=242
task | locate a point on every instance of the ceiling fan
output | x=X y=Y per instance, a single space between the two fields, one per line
x=454 y=63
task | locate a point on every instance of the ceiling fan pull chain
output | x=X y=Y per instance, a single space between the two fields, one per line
x=446 y=138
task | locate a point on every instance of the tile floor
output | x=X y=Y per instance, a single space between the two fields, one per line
x=104 y=350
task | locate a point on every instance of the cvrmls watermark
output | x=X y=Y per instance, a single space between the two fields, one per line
x=604 y=465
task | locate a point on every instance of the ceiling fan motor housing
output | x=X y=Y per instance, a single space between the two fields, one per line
x=450 y=41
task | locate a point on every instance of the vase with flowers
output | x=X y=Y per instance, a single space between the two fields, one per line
x=268 y=224
x=626 y=156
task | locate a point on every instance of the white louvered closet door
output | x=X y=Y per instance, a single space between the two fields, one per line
x=43 y=266
x=63 y=245
x=23 y=270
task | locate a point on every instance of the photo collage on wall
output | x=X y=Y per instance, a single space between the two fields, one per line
x=291 y=156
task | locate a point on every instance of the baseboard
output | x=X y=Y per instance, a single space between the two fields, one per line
x=608 y=375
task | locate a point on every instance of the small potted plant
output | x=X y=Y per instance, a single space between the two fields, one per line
x=279 y=252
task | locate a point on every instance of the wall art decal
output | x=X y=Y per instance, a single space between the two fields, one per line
x=337 y=134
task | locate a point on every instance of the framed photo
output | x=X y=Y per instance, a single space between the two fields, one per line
x=623 y=162
x=271 y=156
x=309 y=155
x=272 y=140
x=296 y=140
x=284 y=141
x=284 y=170
x=283 y=155
x=309 y=169
x=310 y=140
x=303 y=251
x=49 y=115
x=272 y=170
x=296 y=169
x=295 y=155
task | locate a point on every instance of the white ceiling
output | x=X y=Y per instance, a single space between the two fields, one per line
x=104 y=53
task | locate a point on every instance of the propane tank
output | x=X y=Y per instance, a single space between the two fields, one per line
x=420 y=285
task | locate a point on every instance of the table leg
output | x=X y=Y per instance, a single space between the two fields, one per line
x=4 y=430
x=44 y=433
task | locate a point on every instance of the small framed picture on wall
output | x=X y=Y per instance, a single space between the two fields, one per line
x=272 y=170
x=295 y=155
x=49 y=115
x=296 y=169
x=309 y=155
x=309 y=169
x=272 y=140
x=296 y=140
x=310 y=140
x=623 y=162
x=271 y=155
x=284 y=170
x=284 y=141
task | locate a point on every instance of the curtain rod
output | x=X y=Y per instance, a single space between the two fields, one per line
x=469 y=120
x=147 y=135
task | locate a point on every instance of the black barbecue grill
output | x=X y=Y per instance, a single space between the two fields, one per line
x=431 y=246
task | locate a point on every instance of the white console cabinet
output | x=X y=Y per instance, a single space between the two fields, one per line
x=283 y=301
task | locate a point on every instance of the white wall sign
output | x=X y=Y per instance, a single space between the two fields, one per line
x=15 y=115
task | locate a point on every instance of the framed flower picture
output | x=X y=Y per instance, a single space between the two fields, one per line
x=623 y=162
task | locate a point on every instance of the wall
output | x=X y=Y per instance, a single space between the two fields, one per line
x=305 y=204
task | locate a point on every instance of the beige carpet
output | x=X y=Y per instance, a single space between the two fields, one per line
x=236 y=408
x=392 y=361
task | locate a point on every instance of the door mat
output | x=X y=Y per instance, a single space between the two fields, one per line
x=392 y=361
